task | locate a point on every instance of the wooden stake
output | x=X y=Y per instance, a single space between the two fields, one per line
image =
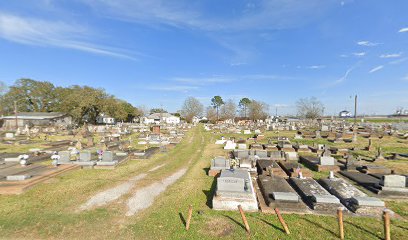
x=341 y=225
x=190 y=213
x=282 y=221
x=387 y=231
x=244 y=219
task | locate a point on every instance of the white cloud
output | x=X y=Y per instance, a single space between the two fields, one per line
x=316 y=67
x=367 y=43
x=32 y=31
x=403 y=30
x=376 y=69
x=392 y=55
x=359 y=54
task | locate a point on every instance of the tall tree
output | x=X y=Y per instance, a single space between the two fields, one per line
x=243 y=104
x=309 y=108
x=191 y=108
x=217 y=102
x=211 y=114
x=257 y=110
x=228 y=110
x=31 y=96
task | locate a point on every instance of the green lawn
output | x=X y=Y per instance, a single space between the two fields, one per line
x=49 y=209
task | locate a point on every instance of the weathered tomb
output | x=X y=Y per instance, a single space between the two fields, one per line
x=277 y=155
x=315 y=196
x=234 y=187
x=241 y=154
x=319 y=148
x=293 y=169
x=319 y=164
x=218 y=164
x=85 y=159
x=375 y=169
x=269 y=168
x=291 y=156
x=303 y=148
x=285 y=145
x=351 y=197
x=277 y=193
x=65 y=157
x=107 y=160
x=262 y=154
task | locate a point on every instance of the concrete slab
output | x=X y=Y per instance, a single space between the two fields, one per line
x=18 y=177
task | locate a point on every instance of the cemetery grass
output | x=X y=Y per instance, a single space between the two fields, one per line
x=167 y=216
x=49 y=210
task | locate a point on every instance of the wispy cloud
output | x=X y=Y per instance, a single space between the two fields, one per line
x=203 y=81
x=344 y=77
x=359 y=54
x=376 y=69
x=263 y=14
x=399 y=61
x=316 y=67
x=173 y=88
x=403 y=30
x=32 y=31
x=405 y=78
x=367 y=43
x=391 y=55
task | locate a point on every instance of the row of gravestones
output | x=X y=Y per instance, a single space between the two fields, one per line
x=86 y=157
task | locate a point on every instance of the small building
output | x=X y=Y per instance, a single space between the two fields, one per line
x=345 y=114
x=158 y=118
x=34 y=119
x=105 y=119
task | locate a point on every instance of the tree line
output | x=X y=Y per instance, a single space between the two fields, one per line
x=86 y=103
x=83 y=103
x=223 y=110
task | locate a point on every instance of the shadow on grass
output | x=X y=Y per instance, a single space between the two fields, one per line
x=405 y=228
x=362 y=229
x=235 y=221
x=272 y=225
x=210 y=193
x=182 y=219
x=319 y=225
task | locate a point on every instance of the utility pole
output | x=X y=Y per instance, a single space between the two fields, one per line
x=15 y=112
x=276 y=111
x=355 y=110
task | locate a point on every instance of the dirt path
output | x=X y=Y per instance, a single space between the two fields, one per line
x=144 y=197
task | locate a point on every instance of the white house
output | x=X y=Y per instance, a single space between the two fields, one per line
x=105 y=119
x=158 y=118
x=345 y=114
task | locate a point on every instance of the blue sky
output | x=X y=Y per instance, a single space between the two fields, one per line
x=157 y=53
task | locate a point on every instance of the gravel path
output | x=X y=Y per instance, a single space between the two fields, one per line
x=111 y=194
x=114 y=193
x=144 y=197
